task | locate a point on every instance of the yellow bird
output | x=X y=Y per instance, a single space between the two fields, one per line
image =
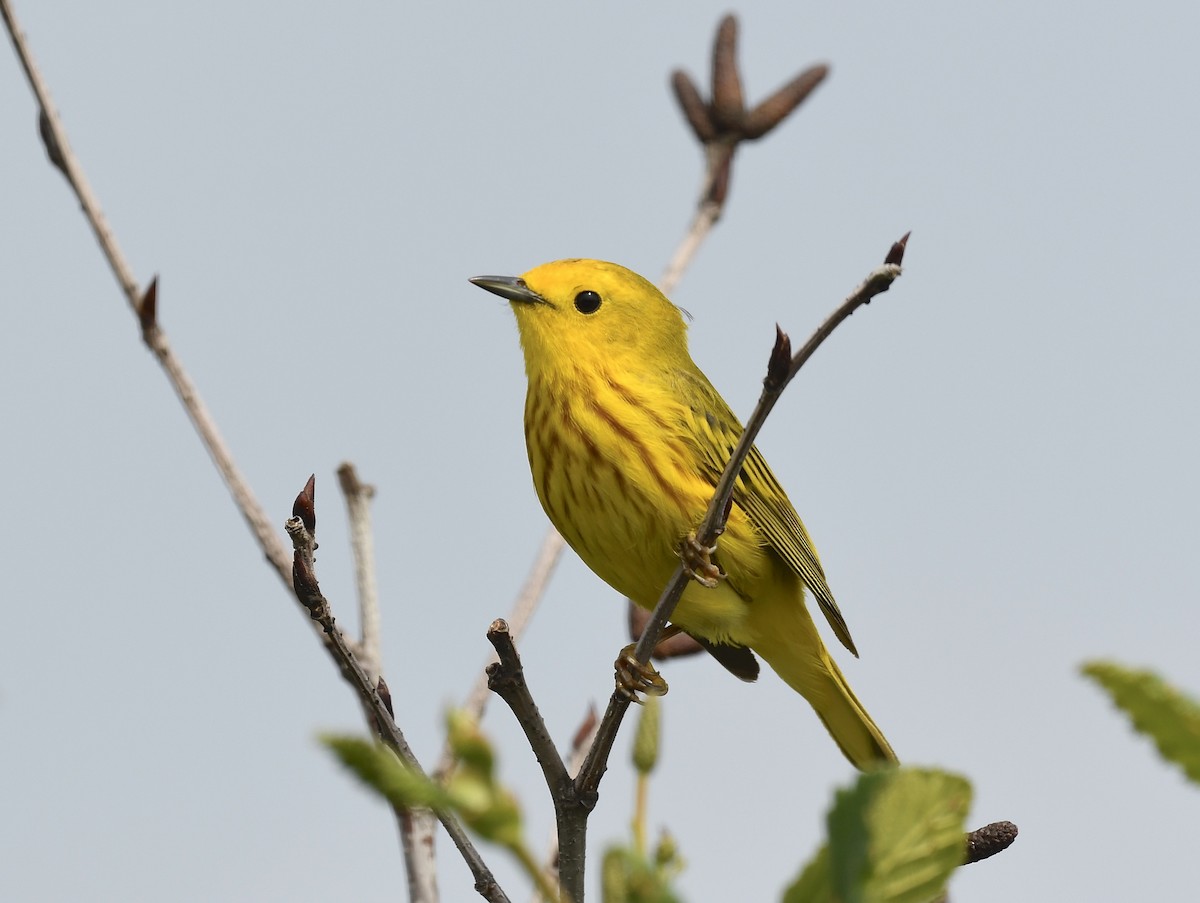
x=627 y=439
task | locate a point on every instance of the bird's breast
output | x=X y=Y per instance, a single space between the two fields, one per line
x=617 y=473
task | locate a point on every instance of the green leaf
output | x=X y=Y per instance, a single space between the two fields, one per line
x=894 y=837
x=645 y=741
x=472 y=749
x=1168 y=717
x=486 y=807
x=814 y=884
x=377 y=767
x=626 y=877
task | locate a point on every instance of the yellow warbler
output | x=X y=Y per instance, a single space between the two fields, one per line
x=626 y=440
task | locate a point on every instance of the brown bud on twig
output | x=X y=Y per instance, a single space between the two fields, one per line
x=386 y=695
x=896 y=254
x=585 y=729
x=781 y=360
x=728 y=105
x=50 y=142
x=695 y=110
x=147 y=309
x=990 y=840
x=772 y=111
x=305 y=505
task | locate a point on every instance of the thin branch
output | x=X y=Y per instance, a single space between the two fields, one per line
x=506 y=678
x=58 y=148
x=61 y=155
x=782 y=368
x=580 y=744
x=417 y=826
x=145 y=309
x=417 y=837
x=308 y=591
x=714 y=191
x=720 y=124
x=358 y=497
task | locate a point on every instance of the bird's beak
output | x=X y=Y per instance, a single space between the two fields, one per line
x=511 y=287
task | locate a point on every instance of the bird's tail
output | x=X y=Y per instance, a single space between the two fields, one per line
x=787 y=638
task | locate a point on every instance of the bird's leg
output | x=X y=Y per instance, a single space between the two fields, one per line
x=633 y=677
x=697 y=561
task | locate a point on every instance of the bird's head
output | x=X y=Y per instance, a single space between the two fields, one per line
x=583 y=312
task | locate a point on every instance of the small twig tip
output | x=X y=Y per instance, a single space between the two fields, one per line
x=50 y=142
x=895 y=254
x=780 y=361
x=385 y=694
x=147 y=309
x=305 y=505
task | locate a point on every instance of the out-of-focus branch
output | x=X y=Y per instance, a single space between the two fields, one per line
x=418 y=831
x=300 y=527
x=781 y=369
x=722 y=123
x=527 y=601
x=718 y=157
x=358 y=497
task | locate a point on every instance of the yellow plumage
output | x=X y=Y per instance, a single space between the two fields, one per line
x=626 y=440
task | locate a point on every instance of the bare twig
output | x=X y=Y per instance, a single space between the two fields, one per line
x=506 y=678
x=418 y=831
x=358 y=497
x=308 y=591
x=720 y=125
x=580 y=744
x=58 y=148
x=782 y=368
x=417 y=835
x=713 y=193
x=145 y=308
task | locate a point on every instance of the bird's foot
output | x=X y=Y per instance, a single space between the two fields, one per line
x=698 y=563
x=634 y=677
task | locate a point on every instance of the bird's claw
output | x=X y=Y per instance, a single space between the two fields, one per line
x=698 y=563
x=634 y=677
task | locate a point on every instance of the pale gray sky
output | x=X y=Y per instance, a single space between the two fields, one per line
x=996 y=459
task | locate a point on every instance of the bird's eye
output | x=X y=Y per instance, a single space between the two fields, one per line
x=587 y=302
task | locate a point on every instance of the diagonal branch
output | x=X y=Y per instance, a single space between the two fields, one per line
x=308 y=591
x=358 y=497
x=144 y=307
x=523 y=610
x=782 y=368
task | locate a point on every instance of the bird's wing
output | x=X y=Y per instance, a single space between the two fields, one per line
x=759 y=494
